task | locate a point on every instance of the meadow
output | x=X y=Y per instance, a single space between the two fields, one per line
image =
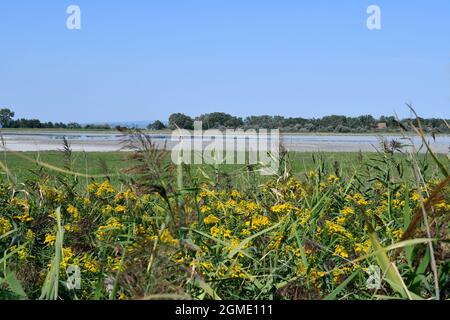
x=135 y=226
x=26 y=165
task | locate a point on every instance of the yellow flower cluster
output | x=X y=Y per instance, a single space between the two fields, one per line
x=340 y=252
x=50 y=239
x=25 y=214
x=90 y=264
x=167 y=238
x=115 y=263
x=358 y=199
x=347 y=211
x=103 y=190
x=398 y=234
x=282 y=208
x=105 y=230
x=125 y=196
x=5 y=225
x=73 y=211
x=211 y=219
x=120 y=209
x=362 y=248
x=257 y=222
x=52 y=194
x=333 y=178
x=289 y=228
x=333 y=227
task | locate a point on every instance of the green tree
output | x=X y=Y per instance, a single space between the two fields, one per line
x=217 y=120
x=6 y=116
x=157 y=125
x=73 y=125
x=180 y=120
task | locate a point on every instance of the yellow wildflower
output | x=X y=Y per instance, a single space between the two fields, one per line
x=362 y=247
x=52 y=194
x=251 y=206
x=122 y=296
x=339 y=274
x=415 y=196
x=341 y=220
x=215 y=232
x=311 y=174
x=91 y=265
x=22 y=253
x=29 y=235
x=115 y=263
x=166 y=237
x=73 y=211
x=227 y=233
x=236 y=194
x=282 y=208
x=119 y=197
x=398 y=234
x=107 y=210
x=347 y=211
x=359 y=199
x=25 y=217
x=140 y=230
x=277 y=242
x=68 y=254
x=211 y=219
x=333 y=178
x=340 y=252
x=50 y=239
x=337 y=228
x=119 y=209
x=5 y=225
x=258 y=222
x=104 y=189
x=112 y=224
x=205 y=209
x=231 y=203
x=72 y=227
x=92 y=187
x=398 y=204
x=317 y=274
x=237 y=272
x=207 y=265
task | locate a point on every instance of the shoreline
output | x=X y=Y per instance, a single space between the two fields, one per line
x=43 y=131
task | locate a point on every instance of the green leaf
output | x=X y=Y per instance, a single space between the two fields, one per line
x=389 y=269
x=51 y=283
x=14 y=284
x=334 y=294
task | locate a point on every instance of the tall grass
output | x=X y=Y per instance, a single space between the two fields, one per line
x=178 y=231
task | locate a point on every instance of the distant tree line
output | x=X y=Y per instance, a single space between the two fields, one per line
x=330 y=124
x=7 y=121
x=221 y=121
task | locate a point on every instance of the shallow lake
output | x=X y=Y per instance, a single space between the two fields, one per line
x=43 y=141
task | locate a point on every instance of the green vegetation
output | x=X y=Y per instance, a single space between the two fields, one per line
x=221 y=120
x=156 y=126
x=138 y=227
x=333 y=123
x=26 y=165
x=7 y=121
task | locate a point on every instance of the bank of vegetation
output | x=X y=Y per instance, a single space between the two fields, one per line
x=222 y=121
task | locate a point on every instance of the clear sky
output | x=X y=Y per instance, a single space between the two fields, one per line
x=143 y=60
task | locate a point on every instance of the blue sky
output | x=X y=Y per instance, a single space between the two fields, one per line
x=143 y=60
